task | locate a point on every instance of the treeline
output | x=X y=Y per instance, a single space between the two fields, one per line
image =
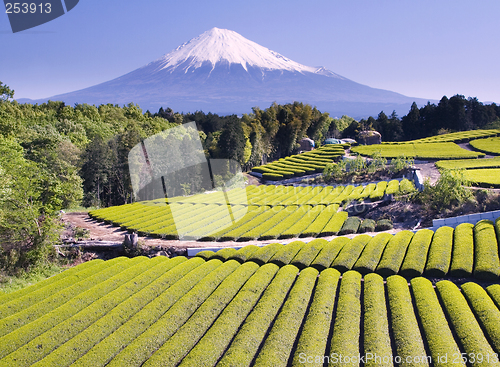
x=449 y=115
x=261 y=135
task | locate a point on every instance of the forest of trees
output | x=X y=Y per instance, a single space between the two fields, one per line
x=450 y=114
x=54 y=156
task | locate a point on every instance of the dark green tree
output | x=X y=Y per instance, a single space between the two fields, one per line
x=410 y=123
x=232 y=140
x=5 y=92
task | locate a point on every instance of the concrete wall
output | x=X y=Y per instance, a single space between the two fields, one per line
x=471 y=218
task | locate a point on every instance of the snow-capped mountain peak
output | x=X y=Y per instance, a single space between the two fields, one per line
x=223 y=45
x=222 y=72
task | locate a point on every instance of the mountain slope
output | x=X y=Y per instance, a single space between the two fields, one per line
x=221 y=71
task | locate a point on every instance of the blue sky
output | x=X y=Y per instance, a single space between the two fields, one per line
x=422 y=48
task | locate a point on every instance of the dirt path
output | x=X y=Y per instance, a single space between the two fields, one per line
x=429 y=170
x=106 y=232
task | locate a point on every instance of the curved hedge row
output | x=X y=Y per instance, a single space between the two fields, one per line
x=435 y=327
x=404 y=325
x=466 y=326
x=420 y=150
x=300 y=164
x=489 y=145
x=468 y=250
x=377 y=341
x=314 y=336
x=257 y=212
x=196 y=312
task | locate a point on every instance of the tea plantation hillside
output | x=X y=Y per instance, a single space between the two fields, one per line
x=462 y=252
x=293 y=310
x=258 y=212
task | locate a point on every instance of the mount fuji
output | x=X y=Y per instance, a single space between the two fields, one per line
x=222 y=72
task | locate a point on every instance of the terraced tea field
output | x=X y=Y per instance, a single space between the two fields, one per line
x=287 y=310
x=484 y=177
x=490 y=146
x=469 y=163
x=465 y=251
x=459 y=137
x=256 y=212
x=302 y=164
x=440 y=150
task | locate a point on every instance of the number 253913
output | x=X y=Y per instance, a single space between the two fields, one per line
x=25 y=8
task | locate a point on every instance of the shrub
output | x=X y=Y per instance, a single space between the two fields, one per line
x=404 y=325
x=329 y=252
x=314 y=336
x=439 y=258
x=78 y=334
x=450 y=190
x=47 y=287
x=346 y=328
x=416 y=256
x=392 y=187
x=354 y=195
x=462 y=260
x=370 y=257
x=308 y=253
x=367 y=225
x=247 y=341
x=486 y=260
x=485 y=310
x=27 y=313
x=465 y=325
x=383 y=225
x=301 y=225
x=490 y=145
x=437 y=332
x=227 y=234
x=172 y=287
x=262 y=226
x=494 y=292
x=350 y=253
x=224 y=254
x=321 y=220
x=262 y=214
x=394 y=253
x=278 y=230
x=206 y=254
x=401 y=163
x=51 y=329
x=377 y=341
x=280 y=341
x=286 y=253
x=265 y=253
x=406 y=186
x=139 y=350
x=334 y=225
x=350 y=226
x=213 y=344
x=379 y=191
x=189 y=334
x=244 y=253
x=343 y=195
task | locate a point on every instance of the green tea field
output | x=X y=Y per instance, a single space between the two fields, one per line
x=259 y=212
x=299 y=308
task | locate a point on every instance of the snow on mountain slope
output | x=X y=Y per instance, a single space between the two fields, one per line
x=223 y=45
x=222 y=72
